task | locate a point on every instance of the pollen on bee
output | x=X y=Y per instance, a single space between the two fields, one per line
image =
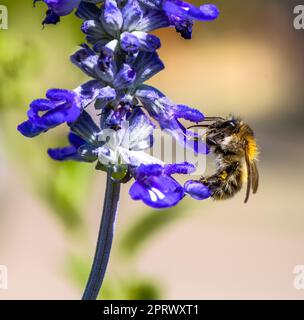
x=253 y=150
x=223 y=175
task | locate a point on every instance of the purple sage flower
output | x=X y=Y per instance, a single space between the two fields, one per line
x=118 y=59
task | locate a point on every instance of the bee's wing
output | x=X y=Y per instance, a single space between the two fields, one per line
x=255 y=176
x=249 y=175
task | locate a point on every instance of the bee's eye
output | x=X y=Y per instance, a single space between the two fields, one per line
x=228 y=124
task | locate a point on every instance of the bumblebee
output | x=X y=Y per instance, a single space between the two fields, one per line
x=233 y=143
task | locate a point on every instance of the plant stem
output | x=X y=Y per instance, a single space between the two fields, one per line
x=105 y=239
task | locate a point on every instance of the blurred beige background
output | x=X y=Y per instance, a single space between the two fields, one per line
x=248 y=63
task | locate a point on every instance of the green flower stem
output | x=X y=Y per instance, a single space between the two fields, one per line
x=105 y=239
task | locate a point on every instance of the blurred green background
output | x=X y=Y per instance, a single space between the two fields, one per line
x=249 y=63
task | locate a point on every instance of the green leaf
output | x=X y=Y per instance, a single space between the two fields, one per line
x=67 y=191
x=147 y=226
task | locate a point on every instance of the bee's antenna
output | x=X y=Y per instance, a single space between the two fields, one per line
x=199 y=126
x=206 y=119
x=213 y=118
